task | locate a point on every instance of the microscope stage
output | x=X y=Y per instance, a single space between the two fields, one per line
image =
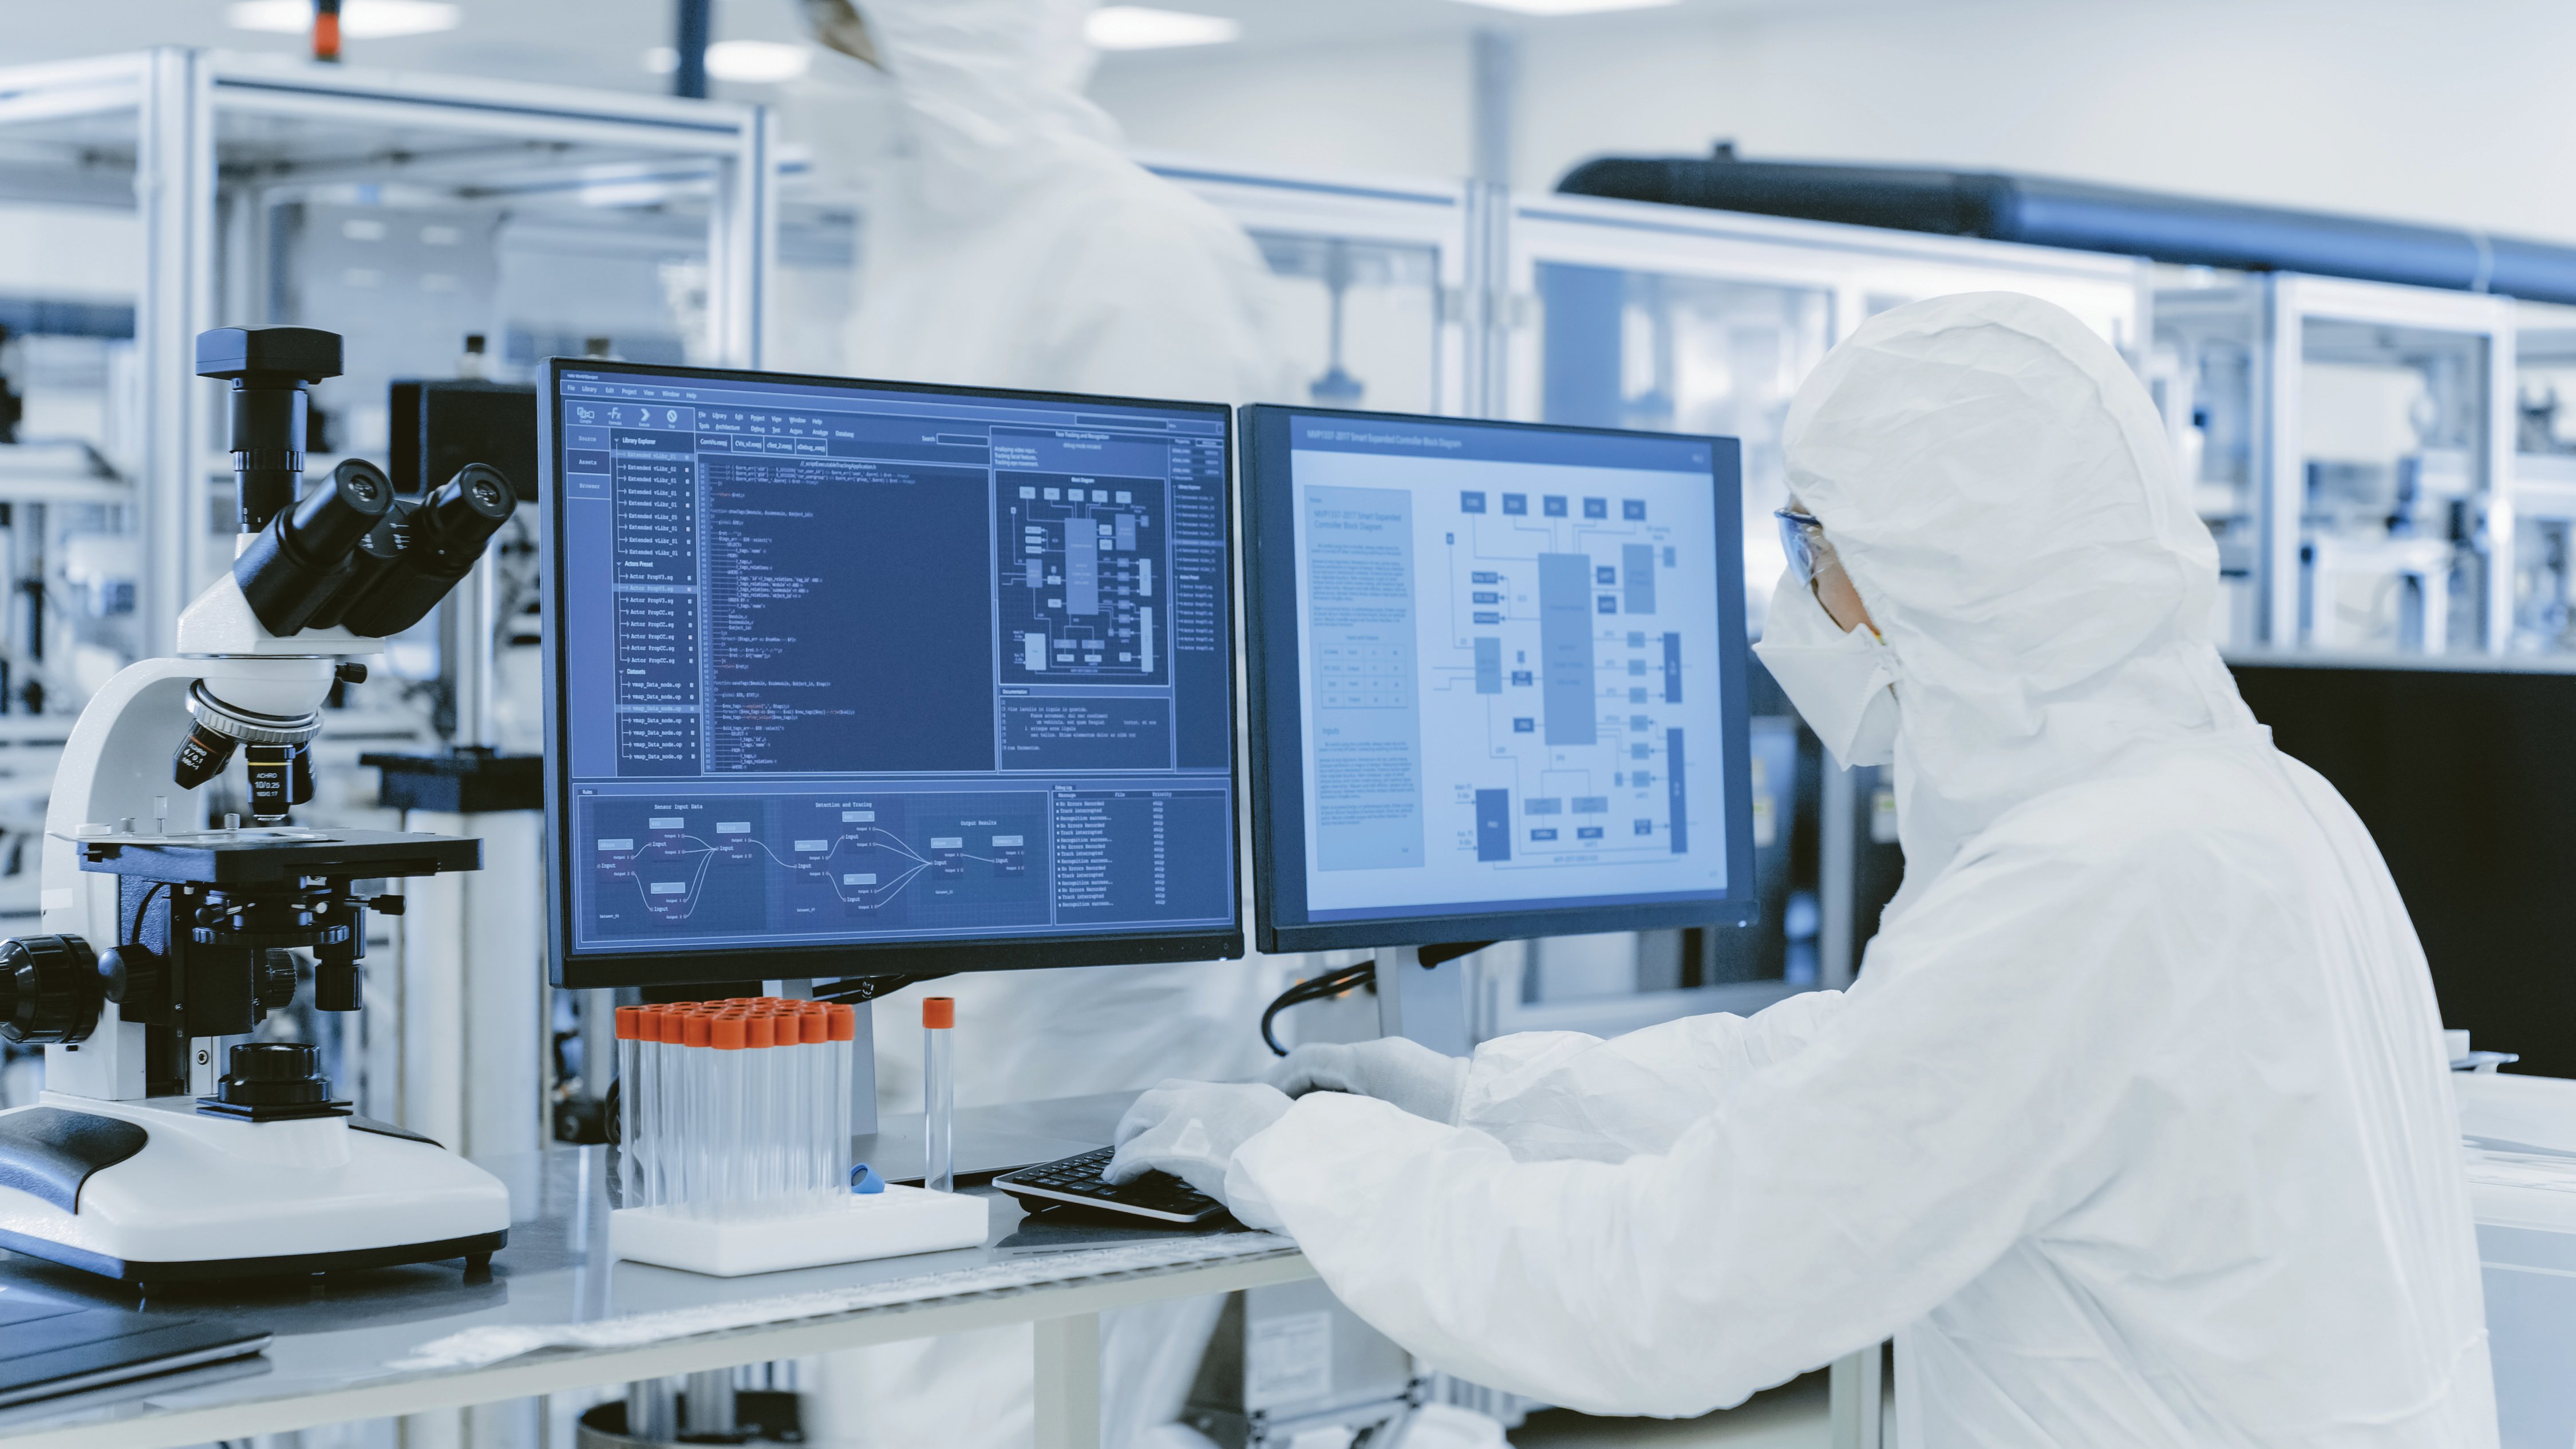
x=280 y=855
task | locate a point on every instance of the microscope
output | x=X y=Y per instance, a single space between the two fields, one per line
x=149 y=1157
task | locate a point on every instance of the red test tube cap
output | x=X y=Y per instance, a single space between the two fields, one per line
x=759 y=1030
x=939 y=1013
x=726 y=1033
x=630 y=1023
x=813 y=1027
x=694 y=1030
x=845 y=1022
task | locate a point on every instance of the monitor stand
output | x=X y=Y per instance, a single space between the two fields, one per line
x=1425 y=993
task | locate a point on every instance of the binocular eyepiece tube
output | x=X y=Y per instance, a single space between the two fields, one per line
x=349 y=552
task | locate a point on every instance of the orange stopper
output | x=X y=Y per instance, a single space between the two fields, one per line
x=813 y=1027
x=759 y=1030
x=845 y=1022
x=939 y=1013
x=726 y=1034
x=629 y=1023
x=694 y=1030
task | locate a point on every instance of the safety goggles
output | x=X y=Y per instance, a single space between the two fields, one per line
x=1802 y=538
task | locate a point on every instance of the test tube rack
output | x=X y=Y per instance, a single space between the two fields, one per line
x=734 y=1124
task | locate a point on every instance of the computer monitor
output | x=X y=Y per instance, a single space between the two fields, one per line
x=1497 y=680
x=858 y=678
x=2462 y=773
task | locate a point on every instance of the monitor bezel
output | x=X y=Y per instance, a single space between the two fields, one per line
x=1277 y=723
x=588 y=970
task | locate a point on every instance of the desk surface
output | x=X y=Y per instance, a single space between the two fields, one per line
x=351 y=1345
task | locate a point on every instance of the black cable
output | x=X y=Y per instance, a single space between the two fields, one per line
x=1317 y=988
x=135 y=933
x=1351 y=978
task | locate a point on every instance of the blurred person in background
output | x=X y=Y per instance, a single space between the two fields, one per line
x=1010 y=243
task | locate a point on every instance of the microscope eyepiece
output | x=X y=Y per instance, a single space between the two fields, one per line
x=443 y=536
x=303 y=555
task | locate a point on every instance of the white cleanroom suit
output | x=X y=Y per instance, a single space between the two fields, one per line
x=2135 y=1128
x=1009 y=243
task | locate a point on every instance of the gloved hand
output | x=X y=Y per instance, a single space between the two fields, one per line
x=1191 y=1129
x=1405 y=1073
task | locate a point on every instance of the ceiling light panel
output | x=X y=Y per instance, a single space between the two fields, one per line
x=1141 y=27
x=359 y=19
x=754 y=62
x=1567 y=7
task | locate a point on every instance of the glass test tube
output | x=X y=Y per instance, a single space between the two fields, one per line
x=697 y=1110
x=843 y=1033
x=814 y=1037
x=628 y=1140
x=938 y=1095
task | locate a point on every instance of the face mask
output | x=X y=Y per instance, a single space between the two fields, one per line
x=1839 y=681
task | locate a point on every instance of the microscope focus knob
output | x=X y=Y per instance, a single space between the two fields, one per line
x=275 y=987
x=49 y=989
x=136 y=978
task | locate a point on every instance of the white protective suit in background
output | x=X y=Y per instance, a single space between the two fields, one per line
x=1009 y=243
x=2135 y=1128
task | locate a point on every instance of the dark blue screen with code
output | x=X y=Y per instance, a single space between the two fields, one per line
x=843 y=665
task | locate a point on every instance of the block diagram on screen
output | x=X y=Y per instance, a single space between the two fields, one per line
x=1084 y=576
x=1558 y=648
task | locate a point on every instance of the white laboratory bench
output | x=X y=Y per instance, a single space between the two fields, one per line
x=567 y=1315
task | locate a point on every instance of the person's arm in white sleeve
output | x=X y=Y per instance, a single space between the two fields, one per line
x=1830 y=1198
x=1564 y=1094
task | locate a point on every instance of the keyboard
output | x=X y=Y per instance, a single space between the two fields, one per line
x=1158 y=1196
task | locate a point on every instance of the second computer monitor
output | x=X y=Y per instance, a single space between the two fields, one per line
x=1497 y=679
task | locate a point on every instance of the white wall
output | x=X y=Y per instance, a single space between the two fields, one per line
x=2453 y=112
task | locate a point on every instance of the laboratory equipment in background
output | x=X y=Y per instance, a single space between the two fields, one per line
x=2544 y=480
x=162 y=1149
x=2464 y=779
x=1497 y=692
x=2351 y=446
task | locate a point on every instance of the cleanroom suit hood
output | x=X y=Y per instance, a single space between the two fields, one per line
x=1010 y=242
x=2135 y=1128
x=2001 y=493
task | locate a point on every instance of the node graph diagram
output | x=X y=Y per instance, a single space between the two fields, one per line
x=820 y=864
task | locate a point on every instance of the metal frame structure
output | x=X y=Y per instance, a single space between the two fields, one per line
x=180 y=100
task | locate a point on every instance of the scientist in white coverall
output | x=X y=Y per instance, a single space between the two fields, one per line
x=1009 y=243
x=2135 y=1128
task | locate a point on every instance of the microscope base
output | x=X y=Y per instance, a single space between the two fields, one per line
x=201 y=1197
